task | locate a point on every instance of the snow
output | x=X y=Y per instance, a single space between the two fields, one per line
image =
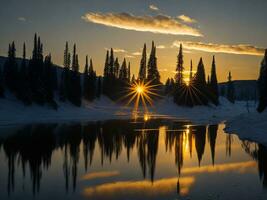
x=13 y=112
x=249 y=126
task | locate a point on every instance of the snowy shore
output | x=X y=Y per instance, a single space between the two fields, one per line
x=13 y=112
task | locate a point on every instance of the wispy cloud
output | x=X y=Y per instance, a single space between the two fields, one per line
x=161 y=47
x=156 y=24
x=129 y=56
x=187 y=19
x=137 y=53
x=240 y=49
x=22 y=19
x=153 y=7
x=117 y=50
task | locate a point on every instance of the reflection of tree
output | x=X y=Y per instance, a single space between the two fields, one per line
x=212 y=135
x=200 y=140
x=33 y=146
x=259 y=153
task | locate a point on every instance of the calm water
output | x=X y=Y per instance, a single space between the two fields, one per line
x=154 y=159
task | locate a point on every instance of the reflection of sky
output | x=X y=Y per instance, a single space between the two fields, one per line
x=119 y=178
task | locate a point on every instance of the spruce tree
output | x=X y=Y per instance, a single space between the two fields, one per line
x=24 y=93
x=111 y=64
x=75 y=85
x=86 y=91
x=201 y=85
x=180 y=67
x=152 y=69
x=64 y=90
x=191 y=72
x=214 y=84
x=262 y=84
x=167 y=86
x=123 y=72
x=11 y=70
x=36 y=75
x=142 y=70
x=92 y=82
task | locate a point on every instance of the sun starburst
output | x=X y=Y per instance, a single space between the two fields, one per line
x=141 y=93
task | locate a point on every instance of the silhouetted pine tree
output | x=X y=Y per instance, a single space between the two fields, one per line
x=200 y=84
x=64 y=90
x=75 y=83
x=142 y=70
x=180 y=68
x=214 y=84
x=36 y=75
x=191 y=73
x=230 y=89
x=111 y=64
x=180 y=90
x=11 y=69
x=123 y=72
x=24 y=93
x=86 y=92
x=152 y=69
x=262 y=84
x=92 y=82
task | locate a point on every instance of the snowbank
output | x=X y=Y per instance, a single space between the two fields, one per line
x=13 y=112
x=249 y=126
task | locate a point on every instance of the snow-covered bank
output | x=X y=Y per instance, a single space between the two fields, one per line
x=13 y=112
x=250 y=126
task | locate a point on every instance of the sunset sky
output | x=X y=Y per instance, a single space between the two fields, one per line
x=234 y=31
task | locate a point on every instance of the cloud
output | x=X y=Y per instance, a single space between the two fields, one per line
x=187 y=19
x=129 y=56
x=161 y=47
x=22 y=19
x=240 y=49
x=137 y=53
x=156 y=24
x=153 y=7
x=117 y=50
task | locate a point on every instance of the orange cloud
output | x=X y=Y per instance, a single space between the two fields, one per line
x=156 y=24
x=153 y=7
x=187 y=19
x=240 y=49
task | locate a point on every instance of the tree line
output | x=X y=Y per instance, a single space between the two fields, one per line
x=197 y=90
x=38 y=80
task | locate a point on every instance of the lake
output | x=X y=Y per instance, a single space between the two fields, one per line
x=130 y=159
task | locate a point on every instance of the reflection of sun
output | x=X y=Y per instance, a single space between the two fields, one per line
x=140 y=92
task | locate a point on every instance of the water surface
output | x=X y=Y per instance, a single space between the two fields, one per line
x=126 y=159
